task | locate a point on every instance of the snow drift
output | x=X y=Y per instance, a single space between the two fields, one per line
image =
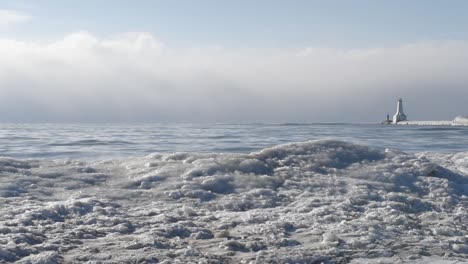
x=323 y=201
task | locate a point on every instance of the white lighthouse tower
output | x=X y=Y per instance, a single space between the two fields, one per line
x=399 y=116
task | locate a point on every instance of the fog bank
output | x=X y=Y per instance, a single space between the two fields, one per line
x=134 y=77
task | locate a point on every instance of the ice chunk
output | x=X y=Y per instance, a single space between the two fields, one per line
x=460 y=248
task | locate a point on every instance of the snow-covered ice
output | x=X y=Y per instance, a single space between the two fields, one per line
x=323 y=201
x=461 y=120
x=458 y=121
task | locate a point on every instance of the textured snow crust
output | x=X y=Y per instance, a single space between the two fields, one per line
x=321 y=201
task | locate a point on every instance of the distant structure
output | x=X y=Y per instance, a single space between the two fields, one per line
x=387 y=121
x=399 y=116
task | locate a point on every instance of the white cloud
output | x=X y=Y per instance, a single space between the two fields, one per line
x=10 y=17
x=134 y=77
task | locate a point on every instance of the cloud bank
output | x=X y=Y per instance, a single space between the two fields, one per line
x=10 y=17
x=133 y=77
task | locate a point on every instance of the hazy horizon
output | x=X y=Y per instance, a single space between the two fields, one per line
x=237 y=62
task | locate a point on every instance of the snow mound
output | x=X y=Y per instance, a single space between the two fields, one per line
x=463 y=120
x=324 y=201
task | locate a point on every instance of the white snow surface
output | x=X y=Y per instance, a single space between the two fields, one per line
x=322 y=201
x=458 y=121
x=461 y=120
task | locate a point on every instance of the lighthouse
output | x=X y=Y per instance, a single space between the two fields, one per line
x=399 y=116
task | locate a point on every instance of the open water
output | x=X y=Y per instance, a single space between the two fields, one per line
x=93 y=141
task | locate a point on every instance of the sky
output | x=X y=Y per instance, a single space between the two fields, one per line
x=232 y=61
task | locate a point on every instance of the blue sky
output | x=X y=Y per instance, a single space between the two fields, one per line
x=246 y=23
x=231 y=61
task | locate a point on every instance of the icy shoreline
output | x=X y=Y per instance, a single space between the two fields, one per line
x=458 y=121
x=319 y=201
